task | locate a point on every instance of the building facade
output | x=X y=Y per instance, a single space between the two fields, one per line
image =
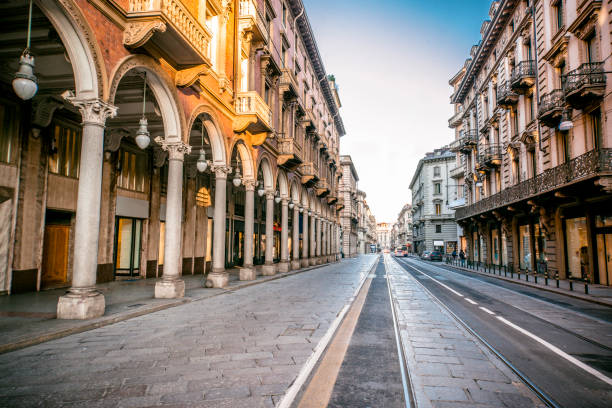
x=191 y=137
x=349 y=203
x=405 y=228
x=531 y=112
x=433 y=221
x=383 y=235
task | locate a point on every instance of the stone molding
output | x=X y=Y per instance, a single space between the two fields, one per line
x=176 y=149
x=94 y=111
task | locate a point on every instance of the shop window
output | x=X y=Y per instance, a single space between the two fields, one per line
x=495 y=247
x=9 y=133
x=576 y=247
x=128 y=238
x=65 y=154
x=540 y=249
x=524 y=248
x=134 y=168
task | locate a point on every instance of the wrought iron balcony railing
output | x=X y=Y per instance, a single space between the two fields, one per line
x=523 y=76
x=506 y=97
x=467 y=141
x=550 y=107
x=584 y=84
x=591 y=164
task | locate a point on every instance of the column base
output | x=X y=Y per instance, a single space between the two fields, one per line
x=305 y=262
x=268 y=270
x=218 y=279
x=81 y=306
x=283 y=266
x=319 y=260
x=312 y=261
x=247 y=273
x=169 y=289
x=295 y=264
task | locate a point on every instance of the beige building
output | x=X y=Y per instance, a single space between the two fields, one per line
x=383 y=235
x=349 y=214
x=534 y=139
x=404 y=228
x=163 y=138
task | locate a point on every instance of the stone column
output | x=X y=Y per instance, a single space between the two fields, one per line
x=269 y=268
x=318 y=239
x=323 y=241
x=218 y=277
x=284 y=262
x=171 y=285
x=247 y=272
x=295 y=240
x=312 y=260
x=83 y=301
x=305 y=239
x=328 y=241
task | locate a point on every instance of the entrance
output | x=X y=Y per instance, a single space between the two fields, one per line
x=55 y=249
x=603 y=231
x=127 y=246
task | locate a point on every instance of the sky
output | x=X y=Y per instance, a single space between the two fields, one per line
x=392 y=60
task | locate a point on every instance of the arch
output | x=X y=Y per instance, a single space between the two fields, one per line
x=305 y=198
x=162 y=88
x=294 y=191
x=248 y=169
x=215 y=135
x=266 y=169
x=79 y=42
x=283 y=184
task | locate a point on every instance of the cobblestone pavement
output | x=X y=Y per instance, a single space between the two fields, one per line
x=448 y=366
x=241 y=349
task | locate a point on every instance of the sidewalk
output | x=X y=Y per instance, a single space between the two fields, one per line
x=447 y=366
x=577 y=289
x=29 y=318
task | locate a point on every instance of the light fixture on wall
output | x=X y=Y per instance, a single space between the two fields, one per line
x=25 y=83
x=142 y=134
x=202 y=164
x=566 y=121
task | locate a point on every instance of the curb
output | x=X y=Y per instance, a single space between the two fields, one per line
x=533 y=285
x=112 y=319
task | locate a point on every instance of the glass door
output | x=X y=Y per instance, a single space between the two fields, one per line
x=604 y=258
x=127 y=246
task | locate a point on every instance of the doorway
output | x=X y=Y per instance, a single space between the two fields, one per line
x=127 y=246
x=55 y=249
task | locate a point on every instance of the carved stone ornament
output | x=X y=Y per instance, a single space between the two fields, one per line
x=270 y=194
x=221 y=171
x=137 y=34
x=112 y=139
x=176 y=149
x=44 y=110
x=94 y=111
x=189 y=76
x=159 y=156
x=249 y=185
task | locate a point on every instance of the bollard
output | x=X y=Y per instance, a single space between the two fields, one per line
x=527 y=277
x=518 y=275
x=536 y=278
x=546 y=280
x=571 y=285
x=557 y=283
x=505 y=275
x=586 y=289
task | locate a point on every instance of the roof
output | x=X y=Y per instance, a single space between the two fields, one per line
x=307 y=35
x=348 y=160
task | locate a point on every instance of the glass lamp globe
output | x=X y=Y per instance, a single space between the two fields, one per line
x=25 y=83
x=301 y=209
x=236 y=181
x=277 y=199
x=566 y=125
x=261 y=192
x=201 y=164
x=142 y=134
x=291 y=205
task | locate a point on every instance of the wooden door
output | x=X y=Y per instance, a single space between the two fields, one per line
x=55 y=254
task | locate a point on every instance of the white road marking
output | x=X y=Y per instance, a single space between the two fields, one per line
x=437 y=281
x=486 y=310
x=471 y=301
x=559 y=352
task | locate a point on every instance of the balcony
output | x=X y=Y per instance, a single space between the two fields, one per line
x=251 y=20
x=322 y=188
x=466 y=142
x=506 y=97
x=170 y=28
x=585 y=84
x=590 y=165
x=331 y=199
x=289 y=153
x=492 y=155
x=523 y=76
x=456 y=119
x=309 y=120
x=340 y=204
x=456 y=172
x=551 y=107
x=288 y=83
x=309 y=174
x=254 y=116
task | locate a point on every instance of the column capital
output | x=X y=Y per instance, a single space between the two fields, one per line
x=94 y=111
x=249 y=185
x=176 y=148
x=221 y=170
x=284 y=201
x=270 y=194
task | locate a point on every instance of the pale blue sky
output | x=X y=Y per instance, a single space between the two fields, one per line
x=392 y=60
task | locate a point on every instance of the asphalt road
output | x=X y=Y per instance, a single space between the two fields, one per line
x=537 y=332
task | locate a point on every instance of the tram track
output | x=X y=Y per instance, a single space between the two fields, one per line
x=465 y=310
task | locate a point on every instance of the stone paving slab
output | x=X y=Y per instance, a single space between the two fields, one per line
x=242 y=349
x=448 y=367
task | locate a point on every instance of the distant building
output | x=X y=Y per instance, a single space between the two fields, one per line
x=349 y=219
x=383 y=235
x=432 y=187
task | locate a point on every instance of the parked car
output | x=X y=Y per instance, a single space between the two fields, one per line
x=425 y=254
x=435 y=256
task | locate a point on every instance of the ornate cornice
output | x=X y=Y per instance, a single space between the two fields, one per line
x=94 y=111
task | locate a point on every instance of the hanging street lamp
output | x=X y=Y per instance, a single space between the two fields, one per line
x=25 y=83
x=142 y=134
x=201 y=164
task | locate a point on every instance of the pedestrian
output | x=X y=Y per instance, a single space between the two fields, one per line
x=454 y=255
x=462 y=257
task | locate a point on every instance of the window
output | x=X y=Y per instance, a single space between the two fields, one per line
x=595 y=119
x=560 y=75
x=9 y=133
x=438 y=209
x=529 y=108
x=438 y=228
x=134 y=168
x=436 y=171
x=591 y=52
x=284 y=55
x=212 y=23
x=66 y=150
x=284 y=14
x=558 y=14
x=437 y=188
